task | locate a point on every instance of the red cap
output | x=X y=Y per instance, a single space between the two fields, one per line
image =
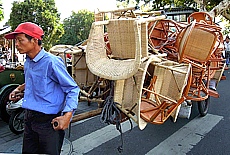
x=28 y=28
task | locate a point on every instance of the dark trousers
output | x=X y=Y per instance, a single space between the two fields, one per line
x=227 y=57
x=39 y=135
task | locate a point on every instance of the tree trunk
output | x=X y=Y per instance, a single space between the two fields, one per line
x=221 y=9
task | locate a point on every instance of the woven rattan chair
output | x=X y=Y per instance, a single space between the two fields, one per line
x=165 y=93
x=125 y=44
x=160 y=99
x=196 y=45
x=128 y=40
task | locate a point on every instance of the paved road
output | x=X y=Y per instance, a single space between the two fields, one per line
x=207 y=135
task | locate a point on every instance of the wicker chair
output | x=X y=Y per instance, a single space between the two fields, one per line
x=61 y=50
x=128 y=40
x=144 y=101
x=125 y=44
x=196 y=45
x=165 y=93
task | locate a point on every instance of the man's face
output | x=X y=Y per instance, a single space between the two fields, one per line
x=23 y=45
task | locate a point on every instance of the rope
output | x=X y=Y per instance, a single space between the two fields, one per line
x=112 y=115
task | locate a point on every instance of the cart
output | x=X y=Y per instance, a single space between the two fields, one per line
x=147 y=65
x=149 y=87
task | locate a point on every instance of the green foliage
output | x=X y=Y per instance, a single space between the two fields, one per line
x=43 y=13
x=209 y=4
x=226 y=30
x=161 y=4
x=1 y=11
x=77 y=27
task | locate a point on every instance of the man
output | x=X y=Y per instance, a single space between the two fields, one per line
x=50 y=93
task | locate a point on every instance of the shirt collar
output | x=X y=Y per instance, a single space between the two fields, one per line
x=38 y=56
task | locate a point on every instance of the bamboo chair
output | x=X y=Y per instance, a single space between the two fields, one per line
x=136 y=99
x=216 y=60
x=196 y=45
x=165 y=93
x=128 y=93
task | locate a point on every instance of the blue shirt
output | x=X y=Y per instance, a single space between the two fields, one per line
x=49 y=88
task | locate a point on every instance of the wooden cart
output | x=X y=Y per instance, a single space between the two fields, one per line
x=149 y=66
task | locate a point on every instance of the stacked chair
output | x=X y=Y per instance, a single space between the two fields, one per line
x=148 y=88
x=150 y=65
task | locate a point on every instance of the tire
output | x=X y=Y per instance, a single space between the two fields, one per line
x=203 y=107
x=16 y=122
x=4 y=99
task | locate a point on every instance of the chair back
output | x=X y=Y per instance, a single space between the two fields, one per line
x=196 y=43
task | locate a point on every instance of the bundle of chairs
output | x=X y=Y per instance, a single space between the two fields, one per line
x=156 y=64
x=148 y=87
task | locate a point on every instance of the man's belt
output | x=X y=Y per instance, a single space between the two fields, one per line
x=42 y=117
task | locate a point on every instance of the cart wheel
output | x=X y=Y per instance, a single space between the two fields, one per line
x=203 y=106
x=89 y=103
x=16 y=122
x=4 y=99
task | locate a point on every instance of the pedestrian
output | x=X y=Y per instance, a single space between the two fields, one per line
x=50 y=93
x=227 y=49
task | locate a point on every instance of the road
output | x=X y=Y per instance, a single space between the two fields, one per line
x=197 y=135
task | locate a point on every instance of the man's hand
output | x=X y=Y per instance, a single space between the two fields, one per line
x=62 y=122
x=15 y=95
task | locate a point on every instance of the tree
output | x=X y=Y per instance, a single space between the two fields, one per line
x=77 y=27
x=1 y=11
x=159 y=4
x=223 y=8
x=213 y=7
x=42 y=12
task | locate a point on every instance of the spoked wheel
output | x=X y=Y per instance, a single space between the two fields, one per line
x=203 y=106
x=16 y=122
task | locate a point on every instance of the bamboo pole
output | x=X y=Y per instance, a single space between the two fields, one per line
x=86 y=115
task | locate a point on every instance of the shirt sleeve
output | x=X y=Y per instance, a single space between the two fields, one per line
x=67 y=84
